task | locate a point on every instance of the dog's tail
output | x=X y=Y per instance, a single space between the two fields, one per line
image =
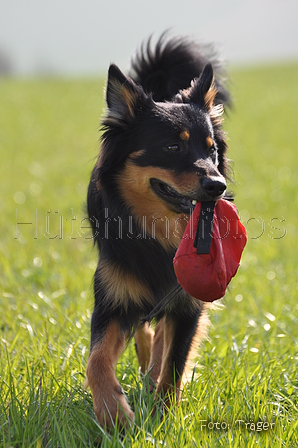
x=172 y=64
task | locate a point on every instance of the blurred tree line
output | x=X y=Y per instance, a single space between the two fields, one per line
x=6 y=65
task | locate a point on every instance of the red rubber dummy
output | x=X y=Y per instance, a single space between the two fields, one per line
x=210 y=250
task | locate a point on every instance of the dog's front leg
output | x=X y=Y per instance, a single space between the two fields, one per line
x=178 y=333
x=108 y=397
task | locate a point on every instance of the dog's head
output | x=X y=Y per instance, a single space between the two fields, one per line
x=163 y=156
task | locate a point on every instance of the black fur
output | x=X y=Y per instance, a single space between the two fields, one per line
x=172 y=65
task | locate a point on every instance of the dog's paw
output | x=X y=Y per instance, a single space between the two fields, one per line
x=165 y=397
x=151 y=386
x=110 y=406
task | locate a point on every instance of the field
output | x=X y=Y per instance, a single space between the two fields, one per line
x=244 y=389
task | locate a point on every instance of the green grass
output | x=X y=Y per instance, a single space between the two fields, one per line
x=247 y=371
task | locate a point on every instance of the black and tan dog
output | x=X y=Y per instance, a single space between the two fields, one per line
x=162 y=150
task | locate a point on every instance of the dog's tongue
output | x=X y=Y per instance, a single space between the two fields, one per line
x=186 y=202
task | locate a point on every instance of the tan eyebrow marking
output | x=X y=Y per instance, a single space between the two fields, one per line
x=184 y=135
x=135 y=155
x=209 y=141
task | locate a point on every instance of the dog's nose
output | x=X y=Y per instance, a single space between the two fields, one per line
x=214 y=186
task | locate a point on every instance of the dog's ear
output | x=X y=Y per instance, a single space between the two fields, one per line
x=123 y=97
x=202 y=90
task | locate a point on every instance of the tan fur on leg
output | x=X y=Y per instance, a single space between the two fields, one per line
x=166 y=386
x=108 y=397
x=200 y=335
x=156 y=354
x=143 y=340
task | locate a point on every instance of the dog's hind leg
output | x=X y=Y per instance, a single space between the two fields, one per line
x=143 y=344
x=108 y=397
x=156 y=353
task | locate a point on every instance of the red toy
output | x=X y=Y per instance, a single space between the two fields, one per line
x=210 y=250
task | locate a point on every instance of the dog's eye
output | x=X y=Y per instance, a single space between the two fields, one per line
x=212 y=150
x=173 y=148
x=211 y=147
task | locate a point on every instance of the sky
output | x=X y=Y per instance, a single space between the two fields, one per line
x=82 y=37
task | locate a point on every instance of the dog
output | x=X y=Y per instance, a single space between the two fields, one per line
x=162 y=150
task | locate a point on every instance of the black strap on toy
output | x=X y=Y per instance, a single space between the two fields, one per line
x=203 y=236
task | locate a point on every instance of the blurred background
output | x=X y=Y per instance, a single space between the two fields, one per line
x=54 y=56
x=81 y=37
